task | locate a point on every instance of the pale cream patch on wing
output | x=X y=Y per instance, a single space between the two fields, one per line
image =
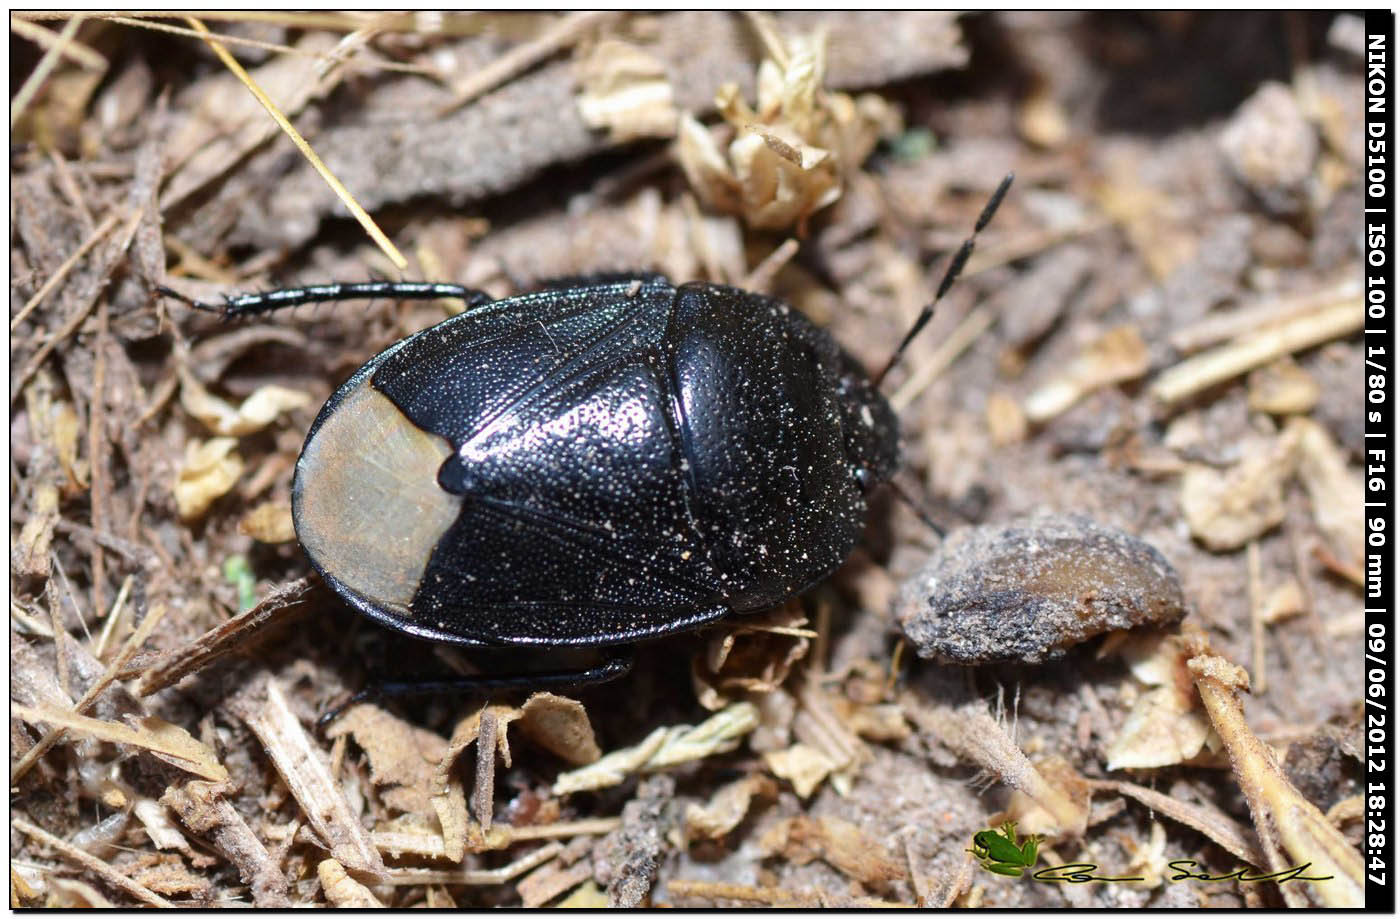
x=371 y=510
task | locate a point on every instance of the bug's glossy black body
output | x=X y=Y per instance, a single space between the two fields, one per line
x=632 y=460
x=592 y=464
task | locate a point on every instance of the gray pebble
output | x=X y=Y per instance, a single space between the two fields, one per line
x=1030 y=589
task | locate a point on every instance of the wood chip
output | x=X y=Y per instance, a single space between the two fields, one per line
x=308 y=777
x=550 y=881
x=1291 y=829
x=202 y=807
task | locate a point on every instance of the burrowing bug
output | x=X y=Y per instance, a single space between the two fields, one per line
x=592 y=465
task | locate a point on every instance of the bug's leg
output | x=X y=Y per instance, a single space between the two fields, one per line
x=479 y=685
x=235 y=305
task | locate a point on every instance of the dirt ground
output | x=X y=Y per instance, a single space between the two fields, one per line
x=1159 y=331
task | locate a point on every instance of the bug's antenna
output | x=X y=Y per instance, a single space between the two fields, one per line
x=955 y=268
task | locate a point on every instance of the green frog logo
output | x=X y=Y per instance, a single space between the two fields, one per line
x=1000 y=853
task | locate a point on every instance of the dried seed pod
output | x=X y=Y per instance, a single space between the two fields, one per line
x=1030 y=589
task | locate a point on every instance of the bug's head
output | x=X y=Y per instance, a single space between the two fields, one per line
x=871 y=429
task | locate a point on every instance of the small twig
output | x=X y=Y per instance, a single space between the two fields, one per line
x=69 y=187
x=1254 y=349
x=589 y=826
x=46 y=64
x=97 y=459
x=92 y=863
x=75 y=51
x=74 y=321
x=1256 y=615
x=968 y=331
x=522 y=57
x=341 y=191
x=367 y=63
x=177 y=664
x=118 y=607
x=55 y=734
x=480 y=878
x=760 y=279
x=62 y=272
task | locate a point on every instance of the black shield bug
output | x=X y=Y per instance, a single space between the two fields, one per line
x=592 y=465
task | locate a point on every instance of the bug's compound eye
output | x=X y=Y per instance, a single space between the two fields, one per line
x=454 y=476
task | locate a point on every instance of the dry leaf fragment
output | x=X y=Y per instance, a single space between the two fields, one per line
x=269 y=522
x=1336 y=494
x=160 y=738
x=179 y=749
x=803 y=766
x=727 y=807
x=1116 y=356
x=70 y=893
x=560 y=725
x=1284 y=602
x=1006 y=422
x=755 y=656
x=208 y=472
x=1283 y=388
x=839 y=843
x=786 y=158
x=487 y=725
x=1159 y=731
x=625 y=90
x=342 y=890
x=253 y=414
x=1227 y=509
x=402 y=758
x=1166 y=725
